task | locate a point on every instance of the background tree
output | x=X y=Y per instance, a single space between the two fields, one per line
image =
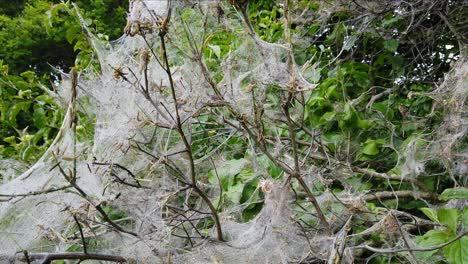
x=37 y=36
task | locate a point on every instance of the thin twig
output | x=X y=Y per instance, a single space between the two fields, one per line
x=396 y=250
x=188 y=147
x=47 y=258
x=85 y=250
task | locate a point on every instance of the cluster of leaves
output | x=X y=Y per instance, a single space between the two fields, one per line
x=26 y=44
x=29 y=118
x=451 y=221
x=36 y=36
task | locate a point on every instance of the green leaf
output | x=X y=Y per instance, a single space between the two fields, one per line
x=10 y=139
x=457 y=252
x=26 y=153
x=348 y=112
x=454 y=193
x=365 y=124
x=24 y=93
x=80 y=45
x=362 y=79
x=449 y=218
x=391 y=21
x=334 y=138
x=73 y=248
x=245 y=174
x=227 y=172
x=371 y=148
x=312 y=74
x=29 y=75
x=216 y=49
x=391 y=45
x=331 y=92
x=73 y=33
x=385 y=108
x=39 y=118
x=273 y=170
x=430 y=239
x=234 y=193
x=250 y=193
x=45 y=99
x=14 y=111
x=316 y=101
x=431 y=213
x=22 y=85
x=328 y=116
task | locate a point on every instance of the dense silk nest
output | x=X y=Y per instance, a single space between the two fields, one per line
x=129 y=188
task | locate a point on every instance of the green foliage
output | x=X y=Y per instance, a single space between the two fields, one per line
x=114 y=213
x=268 y=23
x=450 y=219
x=35 y=35
x=106 y=17
x=238 y=186
x=26 y=44
x=46 y=33
x=29 y=119
x=454 y=193
x=11 y=8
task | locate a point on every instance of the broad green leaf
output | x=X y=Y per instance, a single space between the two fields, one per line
x=348 y=112
x=234 y=193
x=45 y=99
x=431 y=213
x=391 y=45
x=430 y=239
x=24 y=93
x=362 y=79
x=29 y=75
x=370 y=148
x=250 y=193
x=10 y=139
x=22 y=85
x=449 y=217
x=334 y=138
x=457 y=252
x=251 y=211
x=312 y=74
x=328 y=116
x=365 y=124
x=39 y=117
x=273 y=170
x=80 y=45
x=245 y=174
x=391 y=21
x=14 y=111
x=385 y=108
x=454 y=193
x=227 y=172
x=72 y=34
x=316 y=101
x=331 y=92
